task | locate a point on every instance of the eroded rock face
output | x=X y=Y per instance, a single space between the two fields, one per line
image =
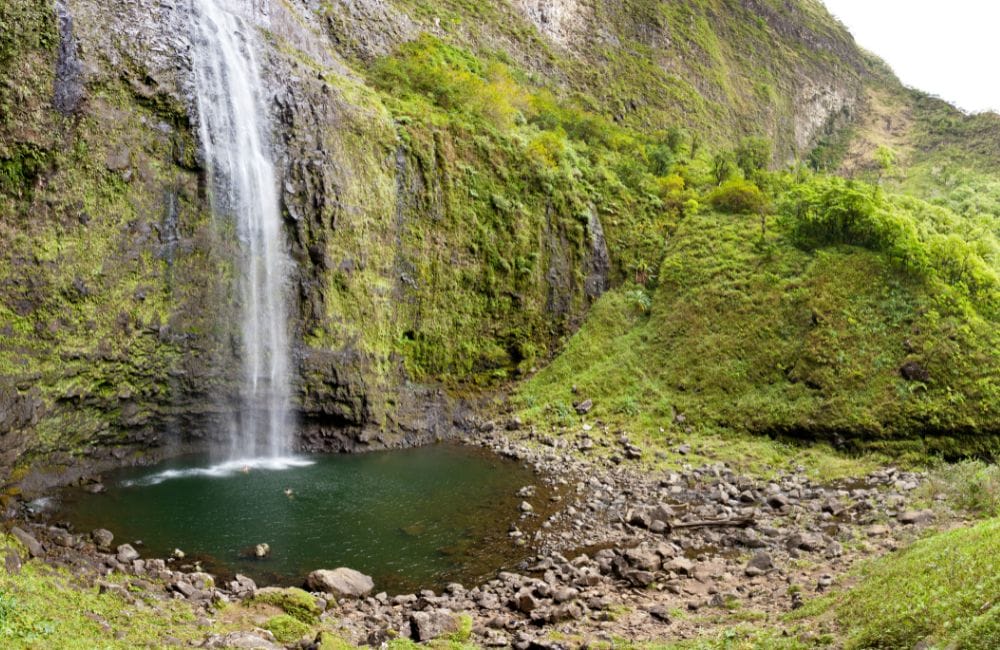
x=563 y=21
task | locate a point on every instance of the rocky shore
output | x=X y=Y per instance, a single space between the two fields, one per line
x=617 y=553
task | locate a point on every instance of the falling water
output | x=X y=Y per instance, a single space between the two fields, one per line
x=234 y=132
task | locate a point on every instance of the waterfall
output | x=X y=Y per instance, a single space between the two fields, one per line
x=235 y=132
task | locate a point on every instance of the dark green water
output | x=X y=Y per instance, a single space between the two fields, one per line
x=411 y=519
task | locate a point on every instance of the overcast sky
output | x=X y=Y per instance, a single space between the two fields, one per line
x=949 y=48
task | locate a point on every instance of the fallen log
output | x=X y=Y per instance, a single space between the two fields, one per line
x=733 y=522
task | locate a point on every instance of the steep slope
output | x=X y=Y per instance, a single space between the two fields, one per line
x=461 y=180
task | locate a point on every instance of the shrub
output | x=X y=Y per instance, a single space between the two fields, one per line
x=293 y=601
x=833 y=211
x=739 y=197
x=286 y=629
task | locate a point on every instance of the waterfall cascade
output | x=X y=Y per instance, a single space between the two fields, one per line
x=234 y=131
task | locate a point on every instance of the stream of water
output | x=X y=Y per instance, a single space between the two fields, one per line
x=235 y=132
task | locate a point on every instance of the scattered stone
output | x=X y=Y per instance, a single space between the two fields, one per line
x=913 y=371
x=256 y=640
x=34 y=547
x=526 y=507
x=340 y=582
x=243 y=587
x=638 y=518
x=262 y=550
x=582 y=408
x=113 y=588
x=778 y=501
x=911 y=517
x=525 y=602
x=806 y=542
x=102 y=538
x=759 y=564
x=660 y=613
x=680 y=565
x=640 y=578
x=12 y=562
x=126 y=554
x=878 y=530
x=429 y=625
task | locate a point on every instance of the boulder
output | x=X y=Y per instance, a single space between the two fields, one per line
x=806 y=542
x=916 y=517
x=341 y=582
x=102 y=538
x=914 y=371
x=759 y=564
x=257 y=640
x=679 y=565
x=524 y=601
x=640 y=578
x=428 y=625
x=126 y=554
x=32 y=544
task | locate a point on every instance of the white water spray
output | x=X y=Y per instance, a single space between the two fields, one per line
x=235 y=132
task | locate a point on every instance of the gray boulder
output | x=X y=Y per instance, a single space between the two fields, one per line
x=429 y=625
x=341 y=582
x=33 y=545
x=126 y=554
x=102 y=538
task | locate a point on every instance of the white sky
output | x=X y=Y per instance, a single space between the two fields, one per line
x=949 y=48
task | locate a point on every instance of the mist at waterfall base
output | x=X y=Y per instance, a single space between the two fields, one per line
x=412 y=519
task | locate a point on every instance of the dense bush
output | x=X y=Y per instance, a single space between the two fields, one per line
x=738 y=196
x=828 y=210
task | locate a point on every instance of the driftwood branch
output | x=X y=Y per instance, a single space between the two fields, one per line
x=733 y=522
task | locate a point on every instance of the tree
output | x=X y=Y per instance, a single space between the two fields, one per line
x=753 y=155
x=723 y=167
x=661 y=159
x=885 y=158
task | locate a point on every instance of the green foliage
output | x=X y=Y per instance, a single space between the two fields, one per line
x=20 y=168
x=723 y=167
x=753 y=155
x=829 y=210
x=43 y=607
x=972 y=486
x=27 y=31
x=944 y=588
x=293 y=601
x=738 y=196
x=452 y=79
x=286 y=629
x=751 y=333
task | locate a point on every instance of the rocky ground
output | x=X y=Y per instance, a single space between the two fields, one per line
x=619 y=554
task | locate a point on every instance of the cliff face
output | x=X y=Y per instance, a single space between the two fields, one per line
x=453 y=198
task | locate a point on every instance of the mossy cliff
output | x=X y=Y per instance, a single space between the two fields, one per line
x=461 y=181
